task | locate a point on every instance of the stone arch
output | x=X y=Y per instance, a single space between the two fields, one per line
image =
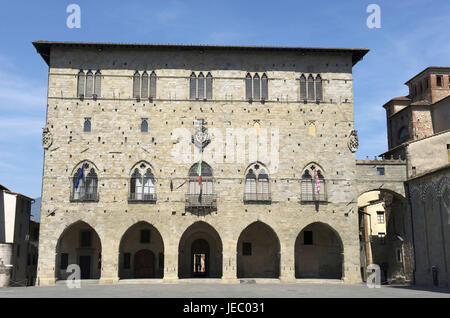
x=258 y=252
x=319 y=252
x=200 y=252
x=386 y=234
x=80 y=244
x=136 y=244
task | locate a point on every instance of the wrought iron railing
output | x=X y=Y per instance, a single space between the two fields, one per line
x=204 y=200
x=309 y=191
x=84 y=196
x=142 y=197
x=257 y=197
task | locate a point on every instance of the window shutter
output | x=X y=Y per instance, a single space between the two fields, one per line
x=89 y=84
x=144 y=89
x=81 y=82
x=303 y=87
x=264 y=87
x=98 y=83
x=318 y=88
x=193 y=86
x=153 y=85
x=311 y=87
x=201 y=86
x=136 y=85
x=209 y=81
x=248 y=86
x=256 y=87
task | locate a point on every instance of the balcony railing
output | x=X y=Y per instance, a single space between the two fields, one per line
x=84 y=197
x=257 y=198
x=309 y=193
x=142 y=197
x=203 y=201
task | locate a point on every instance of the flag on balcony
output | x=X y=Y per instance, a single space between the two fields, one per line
x=316 y=177
x=80 y=176
x=199 y=172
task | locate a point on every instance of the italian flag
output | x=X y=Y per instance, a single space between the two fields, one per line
x=317 y=181
x=199 y=172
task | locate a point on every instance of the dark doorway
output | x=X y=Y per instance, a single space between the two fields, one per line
x=85 y=267
x=144 y=264
x=200 y=258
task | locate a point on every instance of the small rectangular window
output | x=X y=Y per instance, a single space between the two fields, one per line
x=145 y=236
x=308 y=238
x=399 y=255
x=380 y=217
x=86 y=239
x=439 y=80
x=126 y=260
x=246 y=248
x=64 y=261
x=380 y=171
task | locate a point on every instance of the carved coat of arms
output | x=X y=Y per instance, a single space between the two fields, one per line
x=47 y=138
x=201 y=137
x=353 y=142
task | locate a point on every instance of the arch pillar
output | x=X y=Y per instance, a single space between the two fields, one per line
x=109 y=269
x=287 y=264
x=171 y=264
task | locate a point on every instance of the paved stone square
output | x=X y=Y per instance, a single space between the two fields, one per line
x=219 y=290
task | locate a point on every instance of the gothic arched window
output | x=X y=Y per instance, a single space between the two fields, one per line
x=303 y=88
x=193 y=86
x=84 y=183
x=256 y=87
x=313 y=185
x=144 y=85
x=81 y=83
x=248 y=87
x=136 y=85
x=144 y=125
x=200 y=191
x=89 y=84
x=256 y=184
x=87 y=125
x=318 y=88
x=201 y=86
x=264 y=87
x=142 y=183
x=311 y=87
x=98 y=83
x=209 y=84
x=153 y=85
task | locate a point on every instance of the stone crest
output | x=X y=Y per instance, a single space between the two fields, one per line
x=353 y=142
x=200 y=138
x=47 y=138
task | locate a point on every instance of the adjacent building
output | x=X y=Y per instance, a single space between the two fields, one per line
x=14 y=237
x=419 y=132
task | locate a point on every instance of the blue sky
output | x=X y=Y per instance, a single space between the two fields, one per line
x=414 y=34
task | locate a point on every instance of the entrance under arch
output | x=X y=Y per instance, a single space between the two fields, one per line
x=79 y=244
x=258 y=252
x=385 y=235
x=141 y=252
x=200 y=252
x=318 y=252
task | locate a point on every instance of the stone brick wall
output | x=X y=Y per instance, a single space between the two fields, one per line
x=116 y=144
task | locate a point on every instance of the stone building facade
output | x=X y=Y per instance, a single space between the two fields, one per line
x=419 y=133
x=120 y=194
